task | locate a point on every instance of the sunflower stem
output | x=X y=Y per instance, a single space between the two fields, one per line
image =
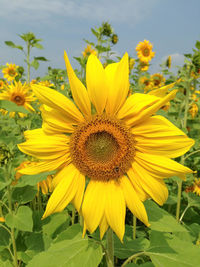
x=28 y=62
x=134 y=226
x=12 y=232
x=178 y=207
x=73 y=215
x=110 y=248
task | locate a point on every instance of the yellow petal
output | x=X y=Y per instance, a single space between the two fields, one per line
x=45 y=166
x=140 y=107
x=161 y=92
x=155 y=188
x=39 y=134
x=115 y=210
x=94 y=204
x=78 y=198
x=159 y=166
x=48 y=148
x=96 y=83
x=79 y=92
x=118 y=82
x=56 y=122
x=57 y=101
x=103 y=226
x=137 y=186
x=133 y=202
x=63 y=193
x=159 y=135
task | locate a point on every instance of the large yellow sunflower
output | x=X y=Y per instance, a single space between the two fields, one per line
x=19 y=94
x=10 y=72
x=115 y=142
x=144 y=51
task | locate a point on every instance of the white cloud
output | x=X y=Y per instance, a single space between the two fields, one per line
x=177 y=59
x=114 y=10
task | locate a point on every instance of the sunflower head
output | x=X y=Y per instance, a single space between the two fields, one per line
x=196 y=186
x=144 y=51
x=146 y=83
x=10 y=72
x=193 y=110
x=88 y=51
x=115 y=38
x=108 y=148
x=169 y=62
x=158 y=80
x=143 y=66
x=18 y=93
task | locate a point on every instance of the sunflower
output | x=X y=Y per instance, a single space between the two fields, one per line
x=169 y=62
x=2 y=219
x=116 y=144
x=19 y=94
x=158 y=80
x=88 y=51
x=131 y=63
x=10 y=72
x=193 y=110
x=2 y=84
x=196 y=187
x=143 y=66
x=144 y=51
x=146 y=83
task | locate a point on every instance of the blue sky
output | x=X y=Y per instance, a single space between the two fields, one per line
x=172 y=27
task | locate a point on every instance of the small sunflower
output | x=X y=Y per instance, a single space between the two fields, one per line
x=169 y=62
x=10 y=72
x=144 y=51
x=2 y=84
x=143 y=66
x=146 y=83
x=196 y=187
x=2 y=219
x=131 y=63
x=118 y=145
x=158 y=80
x=19 y=94
x=88 y=51
x=193 y=110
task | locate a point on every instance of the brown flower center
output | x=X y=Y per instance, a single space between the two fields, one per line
x=146 y=52
x=19 y=100
x=11 y=72
x=102 y=148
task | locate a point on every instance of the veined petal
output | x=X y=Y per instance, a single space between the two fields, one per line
x=137 y=186
x=48 y=148
x=133 y=202
x=78 y=198
x=159 y=136
x=155 y=188
x=140 y=107
x=103 y=226
x=79 y=92
x=118 y=82
x=161 y=92
x=63 y=193
x=56 y=122
x=159 y=166
x=45 y=166
x=115 y=210
x=39 y=134
x=93 y=206
x=96 y=83
x=57 y=101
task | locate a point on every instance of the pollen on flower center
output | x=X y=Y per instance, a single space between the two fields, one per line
x=18 y=100
x=102 y=148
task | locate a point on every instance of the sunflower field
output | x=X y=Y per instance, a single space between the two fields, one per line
x=100 y=163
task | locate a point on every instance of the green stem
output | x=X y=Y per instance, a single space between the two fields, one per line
x=132 y=258
x=73 y=215
x=28 y=63
x=192 y=153
x=188 y=206
x=182 y=157
x=12 y=232
x=134 y=226
x=110 y=248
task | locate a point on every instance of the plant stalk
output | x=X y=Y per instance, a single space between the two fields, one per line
x=134 y=226
x=110 y=248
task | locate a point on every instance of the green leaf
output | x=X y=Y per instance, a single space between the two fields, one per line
x=33 y=179
x=11 y=44
x=193 y=200
x=5 y=238
x=24 y=195
x=197 y=44
x=5 y=263
x=130 y=247
x=11 y=106
x=22 y=220
x=41 y=58
x=161 y=220
x=35 y=64
x=72 y=252
x=167 y=250
x=54 y=222
x=34 y=243
x=39 y=46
